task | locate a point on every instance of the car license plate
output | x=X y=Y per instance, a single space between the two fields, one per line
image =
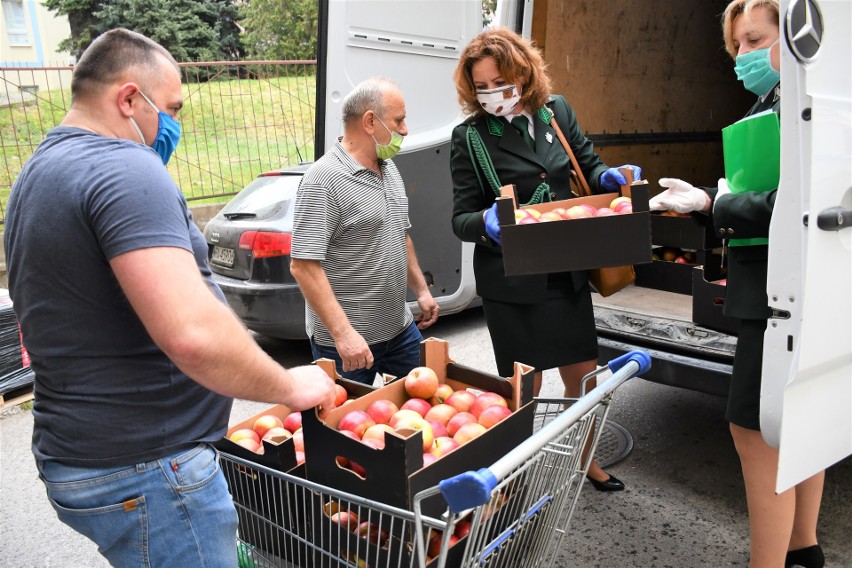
x=223 y=256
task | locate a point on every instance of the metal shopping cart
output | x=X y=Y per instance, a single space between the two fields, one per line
x=512 y=514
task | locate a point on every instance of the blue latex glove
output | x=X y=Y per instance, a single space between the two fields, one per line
x=612 y=179
x=492 y=224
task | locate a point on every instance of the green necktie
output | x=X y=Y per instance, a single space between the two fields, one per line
x=522 y=125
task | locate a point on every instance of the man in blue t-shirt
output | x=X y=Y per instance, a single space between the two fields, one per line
x=136 y=356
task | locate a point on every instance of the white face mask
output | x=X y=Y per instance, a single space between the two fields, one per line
x=500 y=101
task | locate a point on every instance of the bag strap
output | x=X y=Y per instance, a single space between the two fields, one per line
x=584 y=186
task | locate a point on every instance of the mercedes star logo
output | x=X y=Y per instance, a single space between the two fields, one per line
x=804 y=29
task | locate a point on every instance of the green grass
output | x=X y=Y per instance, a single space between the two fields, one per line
x=232 y=130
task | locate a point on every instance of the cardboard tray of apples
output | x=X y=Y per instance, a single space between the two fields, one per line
x=411 y=434
x=274 y=438
x=598 y=231
x=363 y=542
x=683 y=230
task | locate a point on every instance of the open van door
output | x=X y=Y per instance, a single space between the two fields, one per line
x=806 y=397
x=415 y=43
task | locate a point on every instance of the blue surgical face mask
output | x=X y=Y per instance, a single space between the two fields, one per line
x=168 y=132
x=755 y=70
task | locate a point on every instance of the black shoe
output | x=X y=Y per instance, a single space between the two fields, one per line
x=810 y=557
x=611 y=484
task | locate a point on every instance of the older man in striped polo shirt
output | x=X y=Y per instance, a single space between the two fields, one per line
x=352 y=255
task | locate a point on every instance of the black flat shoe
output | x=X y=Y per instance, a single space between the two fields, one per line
x=810 y=557
x=611 y=484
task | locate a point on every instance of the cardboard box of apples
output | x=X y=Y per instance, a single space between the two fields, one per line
x=435 y=423
x=610 y=229
x=274 y=438
x=683 y=230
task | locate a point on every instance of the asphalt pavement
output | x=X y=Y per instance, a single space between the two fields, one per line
x=684 y=505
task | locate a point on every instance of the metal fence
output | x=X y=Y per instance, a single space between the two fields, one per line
x=239 y=120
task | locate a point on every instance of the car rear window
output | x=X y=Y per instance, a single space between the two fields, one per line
x=264 y=195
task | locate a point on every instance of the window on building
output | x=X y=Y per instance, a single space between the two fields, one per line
x=16 y=24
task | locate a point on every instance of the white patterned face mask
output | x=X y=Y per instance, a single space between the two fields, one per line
x=500 y=101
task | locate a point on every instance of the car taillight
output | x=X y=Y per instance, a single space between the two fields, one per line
x=264 y=244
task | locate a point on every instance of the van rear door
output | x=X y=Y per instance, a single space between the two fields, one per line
x=806 y=398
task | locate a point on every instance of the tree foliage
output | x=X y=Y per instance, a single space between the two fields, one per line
x=192 y=30
x=275 y=29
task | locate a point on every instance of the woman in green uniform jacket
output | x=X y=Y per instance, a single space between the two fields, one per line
x=543 y=320
x=783 y=527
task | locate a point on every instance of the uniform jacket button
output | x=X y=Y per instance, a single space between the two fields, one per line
x=722 y=232
x=542 y=175
x=484 y=239
x=730 y=231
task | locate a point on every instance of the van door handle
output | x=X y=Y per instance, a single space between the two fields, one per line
x=834 y=219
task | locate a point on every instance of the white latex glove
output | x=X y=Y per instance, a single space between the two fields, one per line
x=680 y=196
x=723 y=189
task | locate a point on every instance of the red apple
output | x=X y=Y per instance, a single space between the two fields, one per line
x=300 y=457
x=428 y=459
x=242 y=433
x=550 y=216
x=340 y=395
x=441 y=413
x=681 y=260
x=534 y=213
x=382 y=410
x=521 y=214
x=371 y=532
x=528 y=221
x=493 y=414
x=299 y=440
x=411 y=423
x=356 y=421
x=605 y=212
x=462 y=529
x=250 y=444
x=403 y=413
x=560 y=210
x=461 y=400
x=577 y=212
x=442 y=394
x=624 y=209
x=419 y=405
x=345 y=519
x=617 y=201
x=342 y=461
x=421 y=382
x=277 y=435
x=434 y=548
x=485 y=400
x=438 y=429
x=265 y=422
x=468 y=432
x=458 y=421
x=443 y=446
x=293 y=421
x=593 y=211
x=376 y=432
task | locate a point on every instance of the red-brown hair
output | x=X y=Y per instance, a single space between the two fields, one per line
x=517 y=60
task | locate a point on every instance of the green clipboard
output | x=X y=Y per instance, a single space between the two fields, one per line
x=752 y=151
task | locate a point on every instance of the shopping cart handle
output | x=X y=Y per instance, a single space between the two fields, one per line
x=642 y=359
x=468 y=490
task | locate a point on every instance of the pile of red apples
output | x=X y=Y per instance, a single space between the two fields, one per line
x=618 y=206
x=447 y=418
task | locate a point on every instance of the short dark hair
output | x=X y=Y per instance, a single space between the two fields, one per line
x=111 y=56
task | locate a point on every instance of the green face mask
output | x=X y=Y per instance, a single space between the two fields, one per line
x=389 y=150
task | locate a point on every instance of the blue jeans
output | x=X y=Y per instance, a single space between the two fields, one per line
x=175 y=511
x=395 y=357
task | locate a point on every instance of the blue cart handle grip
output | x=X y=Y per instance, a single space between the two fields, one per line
x=642 y=359
x=468 y=490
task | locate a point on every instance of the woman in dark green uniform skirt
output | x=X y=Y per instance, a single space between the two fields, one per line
x=545 y=321
x=783 y=526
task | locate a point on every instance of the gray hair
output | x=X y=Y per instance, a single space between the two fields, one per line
x=367 y=95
